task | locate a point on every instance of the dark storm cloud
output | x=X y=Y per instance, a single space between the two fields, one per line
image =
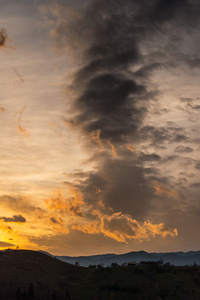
x=109 y=41
x=14 y=219
x=117 y=45
x=121 y=185
x=112 y=97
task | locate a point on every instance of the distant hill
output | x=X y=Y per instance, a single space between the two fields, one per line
x=175 y=258
x=32 y=275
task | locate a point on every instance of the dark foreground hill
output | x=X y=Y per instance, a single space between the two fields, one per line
x=175 y=258
x=34 y=275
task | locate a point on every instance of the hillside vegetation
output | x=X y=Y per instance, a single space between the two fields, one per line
x=33 y=275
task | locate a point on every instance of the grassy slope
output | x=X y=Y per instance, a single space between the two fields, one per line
x=49 y=275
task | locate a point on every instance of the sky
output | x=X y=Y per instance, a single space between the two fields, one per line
x=99 y=118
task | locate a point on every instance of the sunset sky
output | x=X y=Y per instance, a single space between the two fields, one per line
x=100 y=126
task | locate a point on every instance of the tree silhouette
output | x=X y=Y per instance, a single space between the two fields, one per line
x=67 y=297
x=31 y=292
x=18 y=293
x=53 y=296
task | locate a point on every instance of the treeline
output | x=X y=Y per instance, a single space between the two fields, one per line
x=133 y=263
x=8 y=292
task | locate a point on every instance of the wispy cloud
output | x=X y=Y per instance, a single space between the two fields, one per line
x=19 y=204
x=21 y=77
x=5 y=244
x=20 y=128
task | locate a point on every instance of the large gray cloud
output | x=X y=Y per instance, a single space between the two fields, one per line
x=115 y=65
x=118 y=45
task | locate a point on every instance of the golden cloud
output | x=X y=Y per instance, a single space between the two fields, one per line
x=72 y=205
x=115 y=225
x=114 y=151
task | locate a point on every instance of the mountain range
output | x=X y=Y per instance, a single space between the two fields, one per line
x=175 y=258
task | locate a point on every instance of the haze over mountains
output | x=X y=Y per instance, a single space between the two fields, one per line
x=175 y=258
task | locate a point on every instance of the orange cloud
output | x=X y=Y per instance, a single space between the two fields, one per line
x=160 y=229
x=7 y=229
x=22 y=130
x=115 y=225
x=96 y=137
x=161 y=189
x=73 y=204
x=114 y=151
x=123 y=228
x=130 y=148
x=2 y=109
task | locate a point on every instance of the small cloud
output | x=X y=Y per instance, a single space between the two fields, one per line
x=149 y=157
x=53 y=220
x=182 y=149
x=14 y=219
x=2 y=109
x=161 y=189
x=130 y=148
x=3 y=37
